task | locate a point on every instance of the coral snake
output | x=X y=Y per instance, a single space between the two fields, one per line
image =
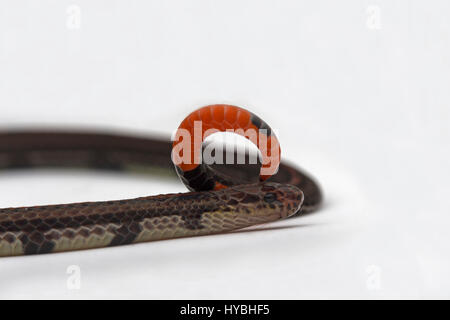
x=222 y=198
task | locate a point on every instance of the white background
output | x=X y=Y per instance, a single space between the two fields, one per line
x=359 y=92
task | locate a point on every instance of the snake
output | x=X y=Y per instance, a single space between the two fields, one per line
x=221 y=198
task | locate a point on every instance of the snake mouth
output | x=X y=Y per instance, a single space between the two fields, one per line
x=292 y=200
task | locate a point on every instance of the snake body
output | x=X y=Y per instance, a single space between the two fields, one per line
x=66 y=227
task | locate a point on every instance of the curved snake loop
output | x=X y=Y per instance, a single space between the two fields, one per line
x=223 y=197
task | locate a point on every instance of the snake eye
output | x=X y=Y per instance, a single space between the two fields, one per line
x=270 y=197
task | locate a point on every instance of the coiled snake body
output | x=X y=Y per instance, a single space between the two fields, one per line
x=220 y=204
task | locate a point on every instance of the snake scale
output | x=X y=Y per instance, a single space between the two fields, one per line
x=224 y=197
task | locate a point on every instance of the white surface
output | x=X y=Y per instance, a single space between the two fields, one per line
x=358 y=91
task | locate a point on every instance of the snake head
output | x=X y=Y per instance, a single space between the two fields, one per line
x=267 y=199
